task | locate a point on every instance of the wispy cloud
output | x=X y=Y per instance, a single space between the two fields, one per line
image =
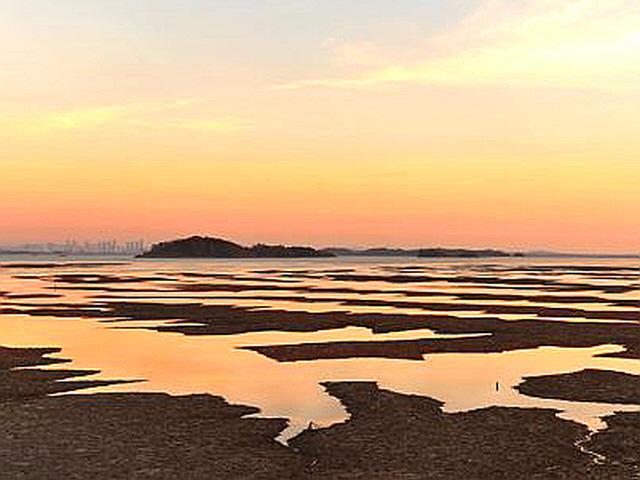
x=574 y=43
x=79 y=118
x=173 y=115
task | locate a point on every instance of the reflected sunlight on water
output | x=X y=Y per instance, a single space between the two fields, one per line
x=180 y=364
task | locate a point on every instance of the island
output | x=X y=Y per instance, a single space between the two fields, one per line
x=198 y=246
x=464 y=253
x=210 y=247
x=420 y=252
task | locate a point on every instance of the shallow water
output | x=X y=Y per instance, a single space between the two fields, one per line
x=179 y=364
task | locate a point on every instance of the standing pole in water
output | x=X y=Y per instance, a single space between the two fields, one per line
x=497 y=386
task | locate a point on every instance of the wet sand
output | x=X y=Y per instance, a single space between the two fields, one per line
x=129 y=435
x=388 y=435
x=20 y=383
x=590 y=385
x=499 y=335
x=619 y=442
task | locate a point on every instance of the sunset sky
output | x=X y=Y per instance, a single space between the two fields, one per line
x=493 y=123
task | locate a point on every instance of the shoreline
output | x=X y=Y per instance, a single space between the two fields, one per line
x=488 y=441
x=319 y=311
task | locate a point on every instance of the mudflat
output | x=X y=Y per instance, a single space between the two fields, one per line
x=472 y=309
x=130 y=435
x=388 y=435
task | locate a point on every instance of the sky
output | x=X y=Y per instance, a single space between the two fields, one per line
x=467 y=123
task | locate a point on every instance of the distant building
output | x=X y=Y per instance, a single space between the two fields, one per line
x=73 y=247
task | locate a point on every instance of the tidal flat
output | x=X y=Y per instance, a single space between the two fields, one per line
x=323 y=368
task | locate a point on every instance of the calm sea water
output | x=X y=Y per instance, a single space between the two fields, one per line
x=179 y=364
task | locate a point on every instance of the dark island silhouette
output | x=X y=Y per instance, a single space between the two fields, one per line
x=421 y=252
x=210 y=247
x=465 y=253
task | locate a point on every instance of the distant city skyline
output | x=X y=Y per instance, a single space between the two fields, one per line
x=103 y=247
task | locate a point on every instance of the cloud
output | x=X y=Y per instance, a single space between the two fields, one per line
x=174 y=115
x=355 y=52
x=574 y=43
x=221 y=125
x=81 y=118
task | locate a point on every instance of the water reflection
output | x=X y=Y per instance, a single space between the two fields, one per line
x=181 y=364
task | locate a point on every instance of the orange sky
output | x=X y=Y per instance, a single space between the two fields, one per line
x=498 y=125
